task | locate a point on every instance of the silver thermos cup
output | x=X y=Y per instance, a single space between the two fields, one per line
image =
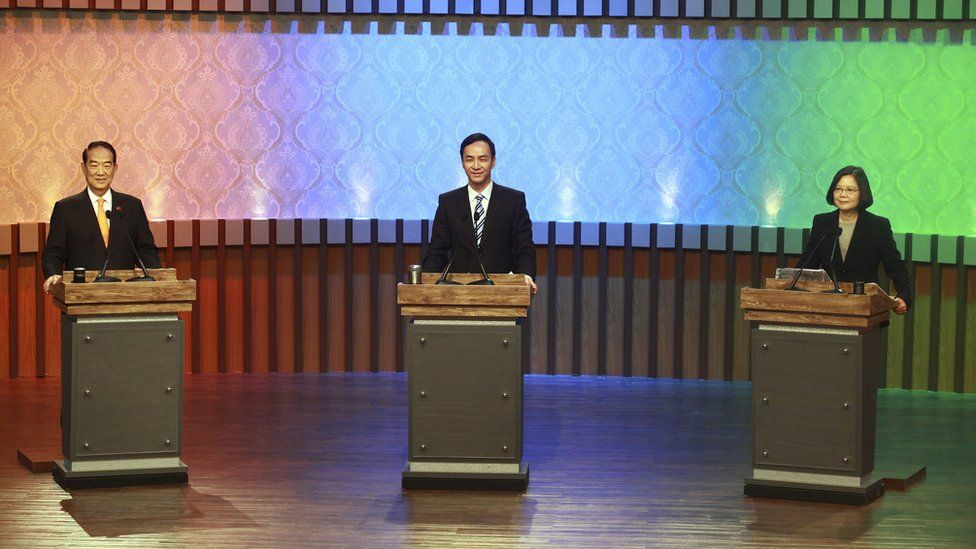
x=413 y=274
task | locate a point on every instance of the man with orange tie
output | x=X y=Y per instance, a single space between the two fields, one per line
x=83 y=235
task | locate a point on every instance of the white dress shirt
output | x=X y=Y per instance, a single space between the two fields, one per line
x=473 y=195
x=107 y=206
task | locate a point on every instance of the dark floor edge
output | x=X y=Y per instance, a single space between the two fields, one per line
x=34 y=465
x=818 y=495
x=904 y=483
x=116 y=481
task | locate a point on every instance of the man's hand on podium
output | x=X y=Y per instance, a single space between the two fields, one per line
x=899 y=306
x=531 y=284
x=51 y=280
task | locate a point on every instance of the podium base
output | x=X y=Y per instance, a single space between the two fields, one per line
x=432 y=480
x=76 y=480
x=821 y=493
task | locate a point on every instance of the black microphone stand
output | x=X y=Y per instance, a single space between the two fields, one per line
x=145 y=277
x=833 y=272
x=102 y=277
x=443 y=279
x=791 y=287
x=486 y=281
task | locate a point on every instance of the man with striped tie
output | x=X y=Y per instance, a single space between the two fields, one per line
x=82 y=234
x=482 y=220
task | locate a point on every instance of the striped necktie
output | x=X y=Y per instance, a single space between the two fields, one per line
x=479 y=219
x=102 y=220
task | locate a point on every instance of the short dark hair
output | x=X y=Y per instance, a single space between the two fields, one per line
x=474 y=138
x=98 y=145
x=867 y=198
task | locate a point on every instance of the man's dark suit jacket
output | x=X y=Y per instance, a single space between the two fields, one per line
x=872 y=244
x=75 y=240
x=506 y=242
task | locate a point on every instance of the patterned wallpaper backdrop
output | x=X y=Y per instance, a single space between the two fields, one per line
x=236 y=118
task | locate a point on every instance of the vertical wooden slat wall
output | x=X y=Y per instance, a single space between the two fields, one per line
x=630 y=299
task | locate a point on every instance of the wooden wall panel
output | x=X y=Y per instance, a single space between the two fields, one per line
x=336 y=308
x=640 y=300
x=740 y=331
x=665 y=315
x=27 y=315
x=922 y=309
x=945 y=353
x=181 y=262
x=615 y=312
x=40 y=303
x=258 y=342
x=969 y=344
x=590 y=320
x=691 y=339
x=361 y=339
x=641 y=314
x=310 y=312
x=539 y=313
x=8 y=322
x=234 y=311
x=895 y=366
x=52 y=338
x=207 y=305
x=386 y=309
x=565 y=354
x=715 y=367
x=284 y=314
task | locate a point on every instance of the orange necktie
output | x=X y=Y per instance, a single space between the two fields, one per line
x=102 y=220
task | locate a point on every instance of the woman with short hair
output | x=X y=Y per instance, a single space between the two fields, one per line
x=865 y=241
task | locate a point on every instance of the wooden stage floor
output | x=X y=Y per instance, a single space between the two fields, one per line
x=315 y=460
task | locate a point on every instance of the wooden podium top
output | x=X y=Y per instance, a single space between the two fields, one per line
x=773 y=304
x=508 y=298
x=165 y=295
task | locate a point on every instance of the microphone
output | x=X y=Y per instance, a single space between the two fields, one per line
x=486 y=281
x=833 y=272
x=102 y=277
x=146 y=277
x=796 y=276
x=443 y=279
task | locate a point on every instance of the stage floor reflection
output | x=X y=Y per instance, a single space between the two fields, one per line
x=315 y=460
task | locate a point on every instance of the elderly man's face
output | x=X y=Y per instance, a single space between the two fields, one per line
x=99 y=170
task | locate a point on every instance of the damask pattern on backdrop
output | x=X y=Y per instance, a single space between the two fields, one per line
x=231 y=118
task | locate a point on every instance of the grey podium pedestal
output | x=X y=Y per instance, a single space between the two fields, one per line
x=814 y=410
x=121 y=401
x=465 y=405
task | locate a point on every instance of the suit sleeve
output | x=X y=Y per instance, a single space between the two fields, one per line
x=816 y=232
x=144 y=240
x=440 y=241
x=55 y=249
x=892 y=262
x=523 y=246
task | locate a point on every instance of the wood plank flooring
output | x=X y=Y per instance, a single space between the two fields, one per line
x=286 y=460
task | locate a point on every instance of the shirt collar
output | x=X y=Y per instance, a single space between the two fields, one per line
x=486 y=193
x=94 y=198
